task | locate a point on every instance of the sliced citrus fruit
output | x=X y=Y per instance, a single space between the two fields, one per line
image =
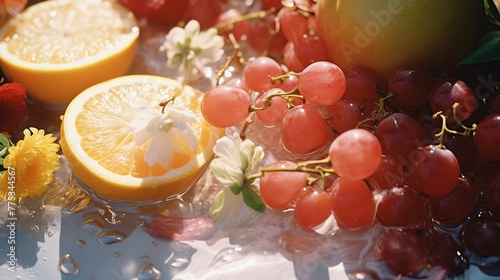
x=100 y=147
x=59 y=48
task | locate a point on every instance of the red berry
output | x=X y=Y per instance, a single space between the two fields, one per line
x=12 y=106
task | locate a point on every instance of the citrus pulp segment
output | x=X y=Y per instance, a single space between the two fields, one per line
x=59 y=48
x=100 y=147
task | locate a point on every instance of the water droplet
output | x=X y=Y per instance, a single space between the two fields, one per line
x=154 y=243
x=68 y=266
x=110 y=237
x=50 y=233
x=45 y=259
x=31 y=213
x=227 y=255
x=179 y=263
x=80 y=243
x=144 y=259
x=149 y=272
x=117 y=254
x=92 y=226
x=34 y=228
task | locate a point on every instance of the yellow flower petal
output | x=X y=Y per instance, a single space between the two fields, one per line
x=34 y=160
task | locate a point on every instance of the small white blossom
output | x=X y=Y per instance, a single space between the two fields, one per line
x=236 y=159
x=169 y=131
x=191 y=49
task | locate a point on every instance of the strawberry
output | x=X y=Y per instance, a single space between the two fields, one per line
x=12 y=106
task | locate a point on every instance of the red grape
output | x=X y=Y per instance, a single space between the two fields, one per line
x=388 y=175
x=279 y=189
x=322 y=83
x=448 y=92
x=404 y=251
x=361 y=86
x=258 y=73
x=235 y=103
x=238 y=29
x=481 y=235
x=435 y=172
x=492 y=196
x=303 y=130
x=411 y=86
x=312 y=208
x=169 y=14
x=352 y=204
x=355 y=154
x=310 y=48
x=205 y=12
x=401 y=207
x=293 y=24
x=487 y=137
x=445 y=252
x=400 y=135
x=454 y=207
x=342 y=115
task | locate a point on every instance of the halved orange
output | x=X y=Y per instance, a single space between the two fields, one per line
x=100 y=147
x=56 y=49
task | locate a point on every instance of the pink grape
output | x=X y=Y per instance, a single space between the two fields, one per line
x=322 y=83
x=274 y=113
x=225 y=106
x=303 y=130
x=258 y=73
x=293 y=24
x=355 y=154
x=279 y=189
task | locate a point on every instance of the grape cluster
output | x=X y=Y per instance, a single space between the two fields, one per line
x=400 y=158
x=415 y=155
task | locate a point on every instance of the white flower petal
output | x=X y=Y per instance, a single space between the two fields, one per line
x=226 y=174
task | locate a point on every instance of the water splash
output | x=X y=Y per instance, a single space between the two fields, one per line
x=76 y=199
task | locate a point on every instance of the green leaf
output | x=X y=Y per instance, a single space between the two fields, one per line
x=492 y=11
x=252 y=199
x=235 y=189
x=487 y=50
x=4 y=150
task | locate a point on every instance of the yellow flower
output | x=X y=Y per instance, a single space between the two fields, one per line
x=34 y=161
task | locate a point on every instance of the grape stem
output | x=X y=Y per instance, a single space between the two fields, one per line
x=444 y=128
x=381 y=111
x=287 y=95
x=303 y=166
x=283 y=77
x=255 y=15
x=237 y=55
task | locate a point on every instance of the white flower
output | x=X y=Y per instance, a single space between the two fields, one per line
x=236 y=159
x=169 y=131
x=191 y=49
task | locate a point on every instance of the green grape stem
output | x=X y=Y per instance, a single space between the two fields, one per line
x=287 y=95
x=444 y=128
x=381 y=111
x=304 y=166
